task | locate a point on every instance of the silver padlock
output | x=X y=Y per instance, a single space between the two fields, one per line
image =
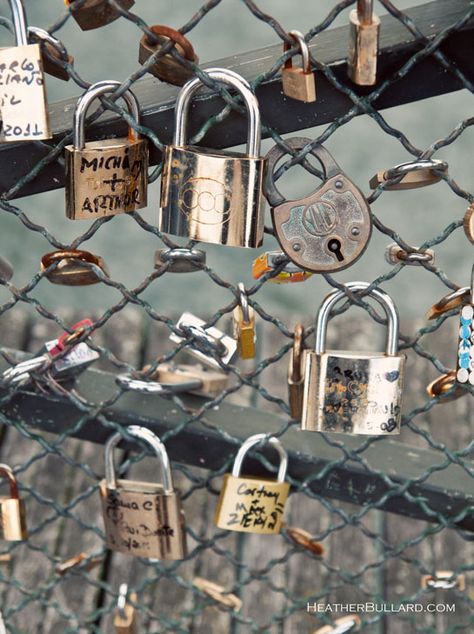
x=354 y=392
x=211 y=195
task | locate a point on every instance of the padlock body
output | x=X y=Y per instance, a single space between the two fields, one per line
x=298 y=84
x=106 y=178
x=295 y=387
x=126 y=623
x=465 y=357
x=244 y=332
x=363 y=48
x=143 y=521
x=96 y=13
x=13 y=519
x=212 y=196
x=251 y=505
x=77 y=359
x=166 y=68
x=352 y=392
x=23 y=106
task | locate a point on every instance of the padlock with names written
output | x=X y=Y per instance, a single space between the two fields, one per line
x=12 y=510
x=93 y=14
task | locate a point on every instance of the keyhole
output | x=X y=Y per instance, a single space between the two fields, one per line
x=334 y=246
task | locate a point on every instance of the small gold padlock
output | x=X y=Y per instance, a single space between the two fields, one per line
x=12 y=510
x=411 y=175
x=250 y=504
x=125 y=620
x=298 y=83
x=363 y=44
x=166 y=67
x=243 y=322
x=296 y=373
x=142 y=519
x=106 y=177
x=92 y=14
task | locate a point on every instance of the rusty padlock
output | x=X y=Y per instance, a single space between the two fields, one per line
x=168 y=68
x=53 y=53
x=93 y=14
x=74 y=267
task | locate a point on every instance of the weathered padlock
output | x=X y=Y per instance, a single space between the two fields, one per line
x=363 y=44
x=54 y=54
x=271 y=260
x=24 y=111
x=243 y=325
x=298 y=83
x=180 y=260
x=411 y=175
x=142 y=519
x=354 y=392
x=250 y=504
x=394 y=254
x=125 y=619
x=166 y=67
x=12 y=510
x=211 y=195
x=92 y=14
x=329 y=229
x=106 y=177
x=74 y=267
x=296 y=373
x=465 y=356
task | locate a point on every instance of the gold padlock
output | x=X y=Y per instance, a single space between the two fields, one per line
x=271 y=260
x=73 y=267
x=142 y=519
x=296 y=373
x=12 y=510
x=166 y=67
x=298 y=83
x=125 y=620
x=411 y=175
x=344 y=625
x=250 y=504
x=92 y=14
x=106 y=177
x=363 y=44
x=243 y=325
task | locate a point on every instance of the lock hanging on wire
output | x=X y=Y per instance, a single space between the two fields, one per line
x=93 y=14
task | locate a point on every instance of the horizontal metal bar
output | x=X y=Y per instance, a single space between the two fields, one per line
x=447 y=491
x=426 y=79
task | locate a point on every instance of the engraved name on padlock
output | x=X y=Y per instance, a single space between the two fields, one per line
x=142 y=519
x=249 y=504
x=351 y=391
x=106 y=177
x=329 y=229
x=12 y=510
x=23 y=107
x=211 y=195
x=93 y=14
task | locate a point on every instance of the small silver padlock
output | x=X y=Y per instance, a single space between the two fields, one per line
x=329 y=229
x=210 y=195
x=142 y=519
x=354 y=392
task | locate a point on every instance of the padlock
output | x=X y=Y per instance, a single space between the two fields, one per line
x=354 y=392
x=363 y=44
x=106 y=177
x=445 y=383
x=243 y=325
x=250 y=504
x=468 y=223
x=218 y=593
x=329 y=229
x=6 y=270
x=411 y=175
x=142 y=519
x=180 y=260
x=298 y=83
x=444 y=580
x=456 y=299
x=211 y=195
x=12 y=510
x=394 y=254
x=74 y=267
x=271 y=260
x=344 y=625
x=53 y=53
x=296 y=373
x=92 y=14
x=125 y=619
x=465 y=356
x=168 y=68
x=24 y=111
x=304 y=539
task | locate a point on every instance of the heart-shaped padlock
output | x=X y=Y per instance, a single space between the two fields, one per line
x=329 y=229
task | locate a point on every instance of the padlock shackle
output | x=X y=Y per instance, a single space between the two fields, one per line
x=7 y=473
x=150 y=439
x=365 y=11
x=19 y=22
x=226 y=77
x=255 y=440
x=93 y=92
x=43 y=35
x=243 y=303
x=379 y=295
x=298 y=37
x=415 y=166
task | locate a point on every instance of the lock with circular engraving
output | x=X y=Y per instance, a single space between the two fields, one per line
x=327 y=230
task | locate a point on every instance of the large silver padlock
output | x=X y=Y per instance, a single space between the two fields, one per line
x=210 y=195
x=354 y=392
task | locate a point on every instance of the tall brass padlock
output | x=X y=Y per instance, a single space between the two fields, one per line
x=363 y=44
x=142 y=519
x=249 y=504
x=125 y=619
x=106 y=177
x=298 y=83
x=92 y=14
x=12 y=510
x=211 y=195
x=354 y=392
x=243 y=323
x=23 y=107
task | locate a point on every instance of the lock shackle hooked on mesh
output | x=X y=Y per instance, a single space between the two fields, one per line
x=255 y=440
x=298 y=37
x=379 y=295
x=44 y=36
x=7 y=473
x=19 y=22
x=93 y=92
x=150 y=439
x=226 y=77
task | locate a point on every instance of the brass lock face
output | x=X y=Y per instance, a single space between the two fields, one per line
x=12 y=510
x=363 y=44
x=166 y=67
x=329 y=229
x=243 y=325
x=93 y=14
x=298 y=83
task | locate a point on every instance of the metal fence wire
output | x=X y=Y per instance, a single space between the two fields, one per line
x=62 y=578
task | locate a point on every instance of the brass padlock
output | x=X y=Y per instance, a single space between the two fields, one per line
x=211 y=195
x=125 y=619
x=298 y=83
x=12 y=510
x=343 y=625
x=168 y=68
x=54 y=55
x=74 y=267
x=106 y=177
x=363 y=44
x=272 y=260
x=296 y=373
x=354 y=392
x=24 y=111
x=243 y=325
x=142 y=519
x=411 y=175
x=92 y=14
x=250 y=504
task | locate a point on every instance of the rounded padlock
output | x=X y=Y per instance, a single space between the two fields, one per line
x=167 y=68
x=74 y=267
